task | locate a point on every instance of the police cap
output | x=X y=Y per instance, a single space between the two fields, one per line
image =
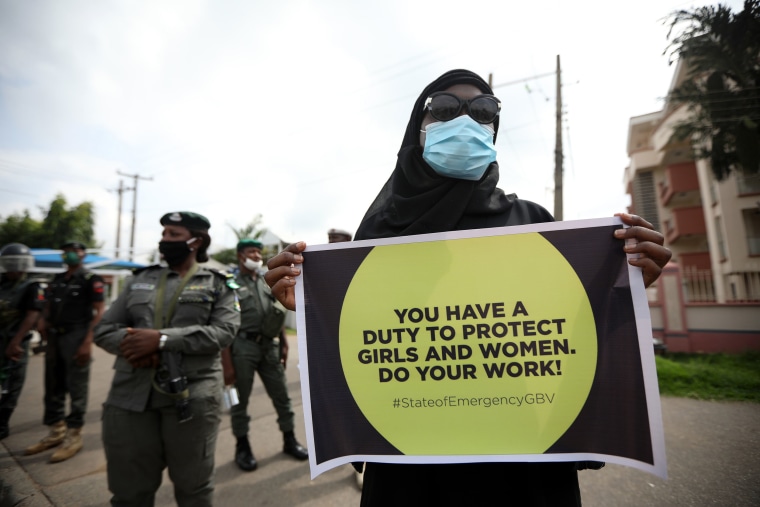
x=188 y=219
x=249 y=242
x=340 y=233
x=77 y=245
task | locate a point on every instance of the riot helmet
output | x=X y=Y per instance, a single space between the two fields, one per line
x=16 y=258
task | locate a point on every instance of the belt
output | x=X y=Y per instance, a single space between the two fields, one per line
x=248 y=335
x=69 y=328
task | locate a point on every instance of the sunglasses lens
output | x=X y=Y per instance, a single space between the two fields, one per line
x=484 y=109
x=444 y=107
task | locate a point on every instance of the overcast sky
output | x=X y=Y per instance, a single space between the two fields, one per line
x=295 y=110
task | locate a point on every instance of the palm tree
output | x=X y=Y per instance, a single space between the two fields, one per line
x=722 y=85
x=251 y=230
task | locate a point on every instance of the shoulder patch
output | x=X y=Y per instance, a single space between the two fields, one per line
x=97 y=287
x=229 y=280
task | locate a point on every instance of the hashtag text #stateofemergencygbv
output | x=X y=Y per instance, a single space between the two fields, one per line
x=485 y=402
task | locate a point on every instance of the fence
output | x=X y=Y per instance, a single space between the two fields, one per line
x=699 y=286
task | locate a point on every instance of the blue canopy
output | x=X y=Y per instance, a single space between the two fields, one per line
x=50 y=258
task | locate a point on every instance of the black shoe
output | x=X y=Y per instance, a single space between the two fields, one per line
x=5 y=417
x=244 y=456
x=292 y=447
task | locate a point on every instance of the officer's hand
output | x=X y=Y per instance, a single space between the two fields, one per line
x=42 y=328
x=284 y=348
x=283 y=267
x=139 y=343
x=14 y=351
x=652 y=256
x=228 y=367
x=83 y=354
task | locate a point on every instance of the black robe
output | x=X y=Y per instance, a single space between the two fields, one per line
x=416 y=200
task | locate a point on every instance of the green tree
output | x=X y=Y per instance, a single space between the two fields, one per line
x=250 y=230
x=60 y=224
x=20 y=228
x=722 y=86
x=74 y=223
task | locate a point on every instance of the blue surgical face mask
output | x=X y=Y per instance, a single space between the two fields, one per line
x=460 y=148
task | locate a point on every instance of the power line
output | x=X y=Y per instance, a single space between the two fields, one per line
x=525 y=79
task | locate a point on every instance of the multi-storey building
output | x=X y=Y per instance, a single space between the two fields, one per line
x=708 y=298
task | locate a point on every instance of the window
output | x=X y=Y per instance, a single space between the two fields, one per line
x=645 y=198
x=747 y=183
x=752 y=228
x=719 y=236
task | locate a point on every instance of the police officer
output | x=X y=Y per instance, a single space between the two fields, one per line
x=74 y=307
x=338 y=236
x=21 y=303
x=260 y=346
x=166 y=330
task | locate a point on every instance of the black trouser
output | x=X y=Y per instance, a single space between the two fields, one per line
x=63 y=376
x=17 y=375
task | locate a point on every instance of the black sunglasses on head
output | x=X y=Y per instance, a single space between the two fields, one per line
x=445 y=106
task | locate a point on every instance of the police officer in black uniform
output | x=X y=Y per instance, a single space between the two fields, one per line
x=74 y=307
x=22 y=300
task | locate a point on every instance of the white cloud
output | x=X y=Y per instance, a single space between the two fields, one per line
x=296 y=109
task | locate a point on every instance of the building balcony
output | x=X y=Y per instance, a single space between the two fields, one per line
x=681 y=183
x=685 y=222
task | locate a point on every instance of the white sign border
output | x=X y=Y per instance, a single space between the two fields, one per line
x=643 y=327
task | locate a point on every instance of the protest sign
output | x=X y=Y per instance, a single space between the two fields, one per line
x=528 y=343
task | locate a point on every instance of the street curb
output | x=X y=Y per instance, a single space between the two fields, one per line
x=17 y=489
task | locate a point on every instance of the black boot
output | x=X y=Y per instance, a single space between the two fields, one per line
x=244 y=456
x=5 y=417
x=292 y=447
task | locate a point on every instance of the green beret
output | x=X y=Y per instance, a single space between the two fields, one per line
x=194 y=221
x=73 y=244
x=249 y=242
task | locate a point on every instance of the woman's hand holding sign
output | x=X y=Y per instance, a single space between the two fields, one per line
x=652 y=256
x=283 y=267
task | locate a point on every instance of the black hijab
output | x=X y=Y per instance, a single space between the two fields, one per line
x=416 y=200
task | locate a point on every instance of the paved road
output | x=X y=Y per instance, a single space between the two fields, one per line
x=713 y=452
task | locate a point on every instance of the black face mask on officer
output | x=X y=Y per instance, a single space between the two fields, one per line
x=175 y=252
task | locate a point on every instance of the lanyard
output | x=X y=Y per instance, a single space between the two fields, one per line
x=161 y=319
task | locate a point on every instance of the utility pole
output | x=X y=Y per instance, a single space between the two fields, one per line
x=120 y=191
x=558 y=151
x=134 y=209
x=558 y=157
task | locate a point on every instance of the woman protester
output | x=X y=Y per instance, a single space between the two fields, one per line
x=444 y=180
x=167 y=329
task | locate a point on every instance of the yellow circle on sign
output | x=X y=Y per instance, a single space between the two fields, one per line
x=475 y=346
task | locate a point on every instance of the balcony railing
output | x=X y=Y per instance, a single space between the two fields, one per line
x=699 y=286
